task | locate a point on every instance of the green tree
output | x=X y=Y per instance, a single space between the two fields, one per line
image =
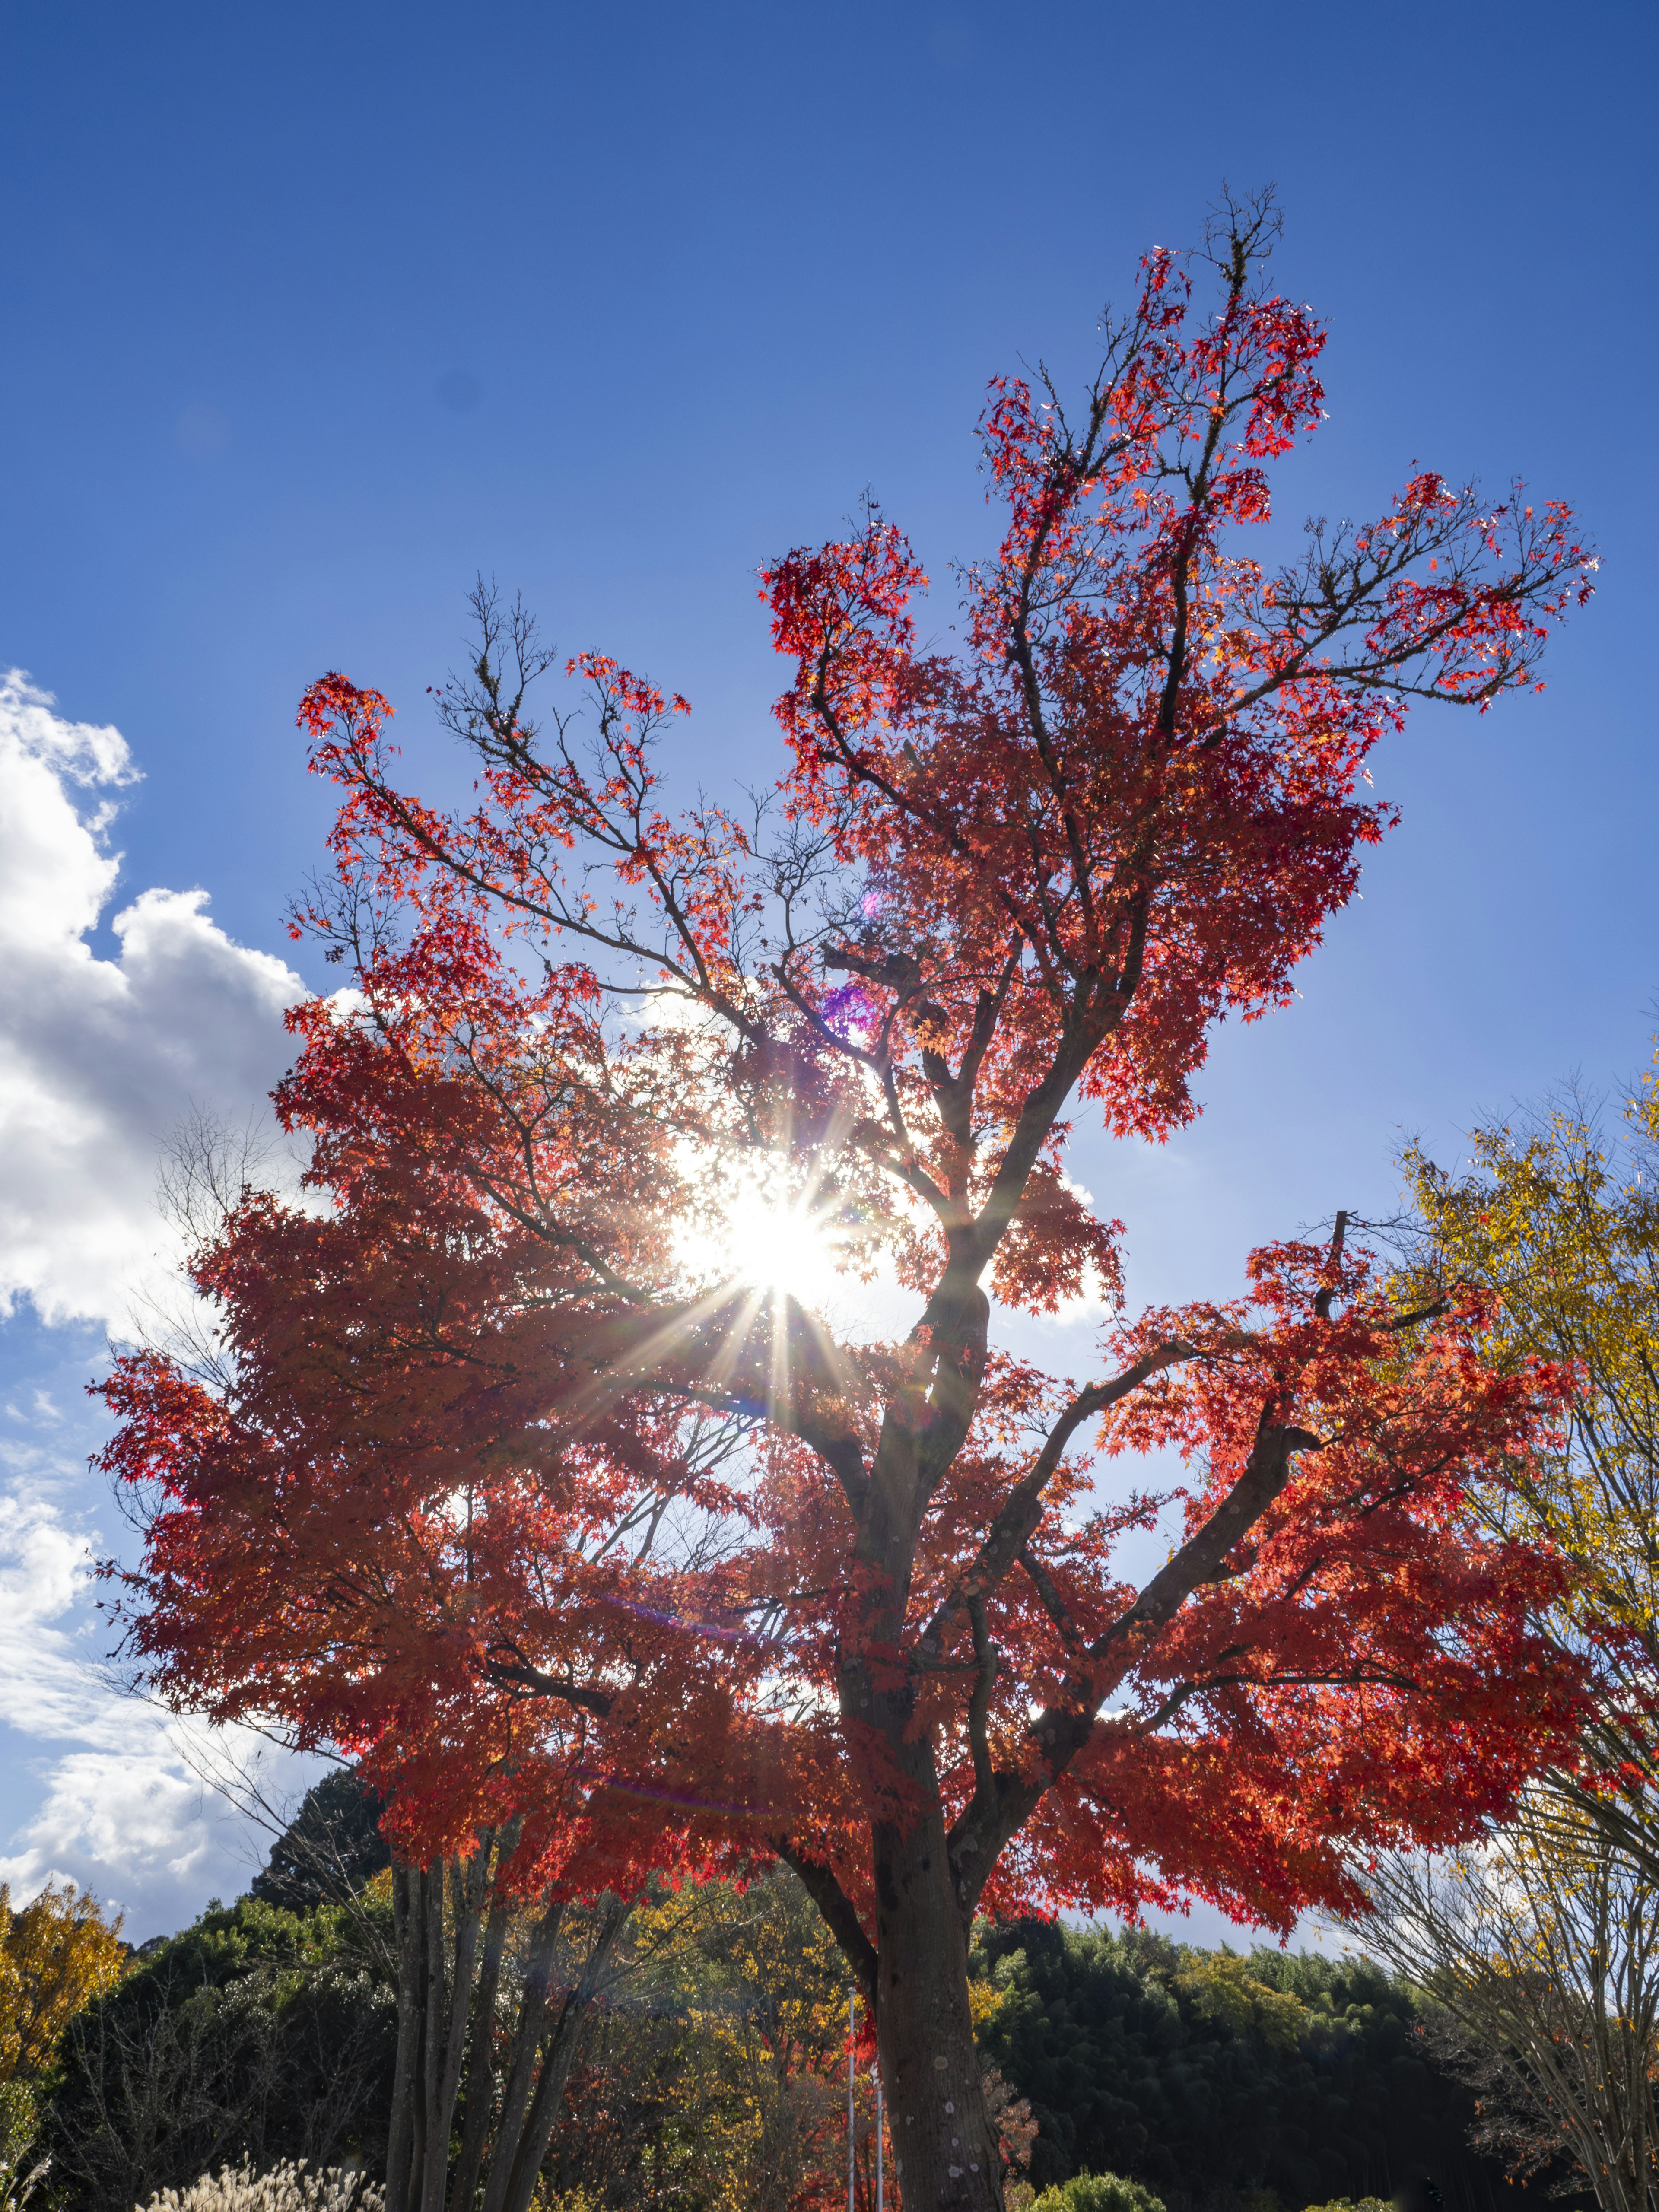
x=330 y=1850
x=1540 y=1945
x=1207 y=2076
x=255 y=2032
x=1098 y=2192
x=1541 y=1951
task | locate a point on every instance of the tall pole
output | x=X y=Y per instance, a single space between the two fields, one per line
x=852 y=2031
x=876 y=2071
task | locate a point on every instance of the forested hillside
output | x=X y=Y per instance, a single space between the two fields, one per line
x=1214 y=2077
x=712 y=2072
x=256 y=2031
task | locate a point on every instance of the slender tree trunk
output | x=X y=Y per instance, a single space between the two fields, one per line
x=448 y=1984
x=480 y=2058
x=522 y=2071
x=409 y=1926
x=433 y=2146
x=558 y=2056
x=467 y=1880
x=945 y=2152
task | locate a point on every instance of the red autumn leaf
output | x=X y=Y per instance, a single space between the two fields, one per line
x=504 y=1489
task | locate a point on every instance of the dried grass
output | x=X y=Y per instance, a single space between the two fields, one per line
x=290 y=2187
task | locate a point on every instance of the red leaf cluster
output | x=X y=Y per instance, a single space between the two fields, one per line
x=513 y=1492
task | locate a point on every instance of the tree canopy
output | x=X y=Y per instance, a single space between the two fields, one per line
x=1555 y=1219
x=328 y=1850
x=509 y=1488
x=1539 y=1941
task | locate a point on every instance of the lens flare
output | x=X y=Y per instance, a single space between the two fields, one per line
x=776 y=1244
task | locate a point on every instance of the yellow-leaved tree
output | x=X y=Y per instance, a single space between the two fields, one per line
x=56 y=1955
x=715 y=2078
x=1558 y=1218
x=1542 y=1944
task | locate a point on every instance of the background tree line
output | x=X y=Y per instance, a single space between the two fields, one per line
x=1275 y=2079
x=711 y=2067
x=1515 y=2037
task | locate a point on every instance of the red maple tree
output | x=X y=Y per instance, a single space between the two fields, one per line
x=888 y=1642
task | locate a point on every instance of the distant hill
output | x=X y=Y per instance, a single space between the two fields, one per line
x=1273 y=2080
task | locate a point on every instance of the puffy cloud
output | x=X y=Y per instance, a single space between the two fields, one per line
x=100 y=1058
x=117 y=1800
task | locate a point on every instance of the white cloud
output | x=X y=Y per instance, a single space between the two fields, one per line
x=118 y=1803
x=146 y=1837
x=100 y=1058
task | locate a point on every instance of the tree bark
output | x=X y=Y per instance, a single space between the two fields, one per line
x=448 y=1985
x=408 y=1924
x=431 y=2137
x=946 y=2153
x=467 y=1881
x=557 y=2058
x=480 y=2058
x=522 y=2072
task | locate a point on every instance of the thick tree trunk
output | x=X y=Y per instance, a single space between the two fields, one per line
x=945 y=2154
x=944 y=2151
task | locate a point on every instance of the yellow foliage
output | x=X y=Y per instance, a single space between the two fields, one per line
x=730 y=2022
x=1559 y=1219
x=760 y=2077
x=1222 y=1989
x=56 y=1955
x=760 y=1969
x=1563 y=1224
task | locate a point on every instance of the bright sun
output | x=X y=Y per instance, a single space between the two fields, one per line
x=773 y=1243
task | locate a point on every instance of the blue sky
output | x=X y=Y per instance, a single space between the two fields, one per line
x=314 y=312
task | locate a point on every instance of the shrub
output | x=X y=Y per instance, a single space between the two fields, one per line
x=256 y=2034
x=1099 y=2192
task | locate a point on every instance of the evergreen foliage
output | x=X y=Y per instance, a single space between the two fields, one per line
x=1209 y=2076
x=256 y=2033
x=331 y=1849
x=1098 y=2192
